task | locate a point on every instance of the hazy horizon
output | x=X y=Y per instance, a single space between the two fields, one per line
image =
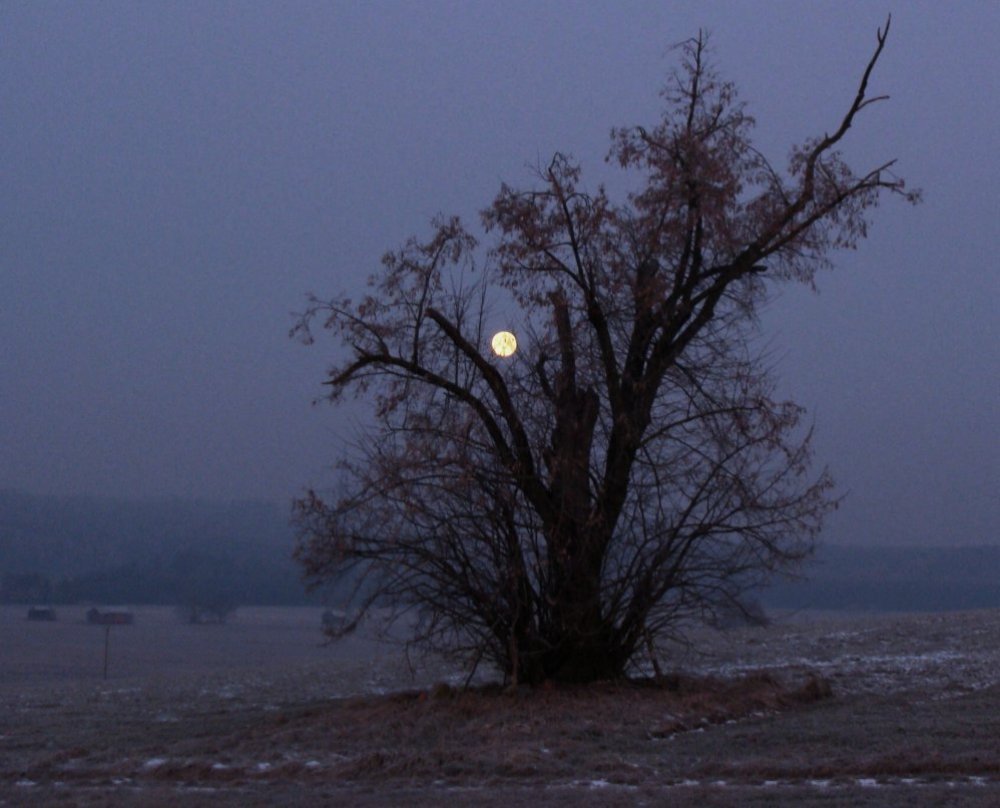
x=177 y=177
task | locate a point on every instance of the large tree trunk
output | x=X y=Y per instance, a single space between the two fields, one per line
x=576 y=643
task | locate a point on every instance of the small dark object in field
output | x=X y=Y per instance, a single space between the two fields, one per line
x=212 y=612
x=114 y=618
x=740 y=613
x=816 y=688
x=42 y=613
x=337 y=623
x=442 y=690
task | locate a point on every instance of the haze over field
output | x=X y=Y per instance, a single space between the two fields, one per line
x=178 y=176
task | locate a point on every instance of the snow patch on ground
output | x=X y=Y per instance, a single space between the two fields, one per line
x=898 y=653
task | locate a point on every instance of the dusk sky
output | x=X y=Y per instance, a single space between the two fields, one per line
x=176 y=176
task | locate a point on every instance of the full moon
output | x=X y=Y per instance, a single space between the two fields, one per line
x=504 y=343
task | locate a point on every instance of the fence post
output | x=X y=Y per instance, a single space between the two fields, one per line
x=107 y=640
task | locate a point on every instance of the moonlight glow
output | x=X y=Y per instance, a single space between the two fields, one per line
x=504 y=343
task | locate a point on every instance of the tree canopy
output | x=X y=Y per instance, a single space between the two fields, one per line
x=558 y=511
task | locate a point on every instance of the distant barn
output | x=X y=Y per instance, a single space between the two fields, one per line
x=41 y=613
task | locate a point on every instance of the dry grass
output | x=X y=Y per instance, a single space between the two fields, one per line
x=555 y=732
x=481 y=735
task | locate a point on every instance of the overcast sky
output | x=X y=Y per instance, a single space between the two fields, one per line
x=174 y=177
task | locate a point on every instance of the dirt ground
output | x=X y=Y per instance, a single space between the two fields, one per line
x=261 y=712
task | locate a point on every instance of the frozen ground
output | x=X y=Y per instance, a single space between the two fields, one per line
x=942 y=654
x=252 y=713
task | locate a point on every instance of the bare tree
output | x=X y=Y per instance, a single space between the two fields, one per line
x=556 y=512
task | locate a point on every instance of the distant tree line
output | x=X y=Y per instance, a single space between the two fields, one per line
x=914 y=579
x=202 y=556
x=206 y=586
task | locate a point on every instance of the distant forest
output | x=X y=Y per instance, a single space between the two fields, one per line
x=858 y=578
x=191 y=552
x=168 y=551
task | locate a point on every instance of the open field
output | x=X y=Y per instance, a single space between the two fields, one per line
x=260 y=712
